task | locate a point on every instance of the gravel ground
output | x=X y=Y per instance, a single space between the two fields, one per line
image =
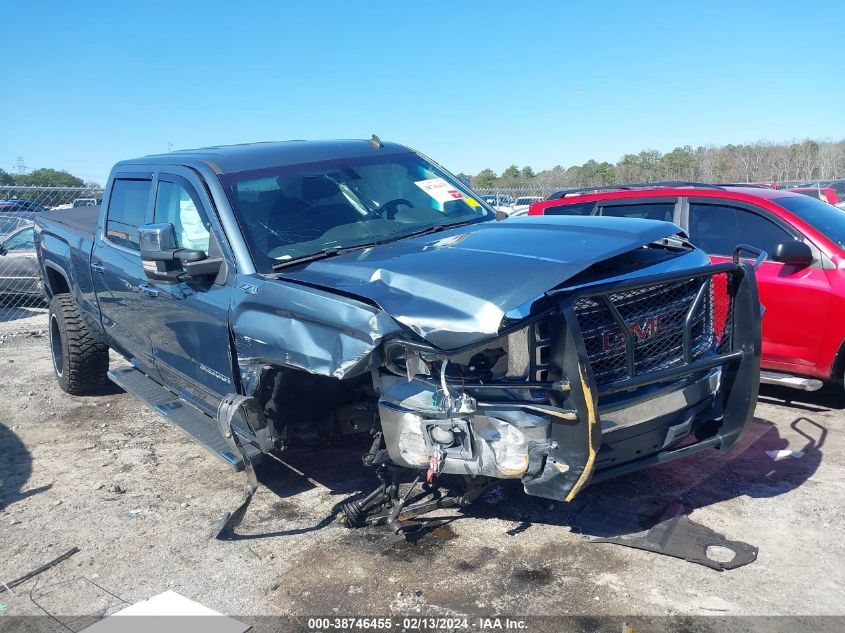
x=61 y=457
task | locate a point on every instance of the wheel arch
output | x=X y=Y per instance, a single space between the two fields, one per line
x=57 y=281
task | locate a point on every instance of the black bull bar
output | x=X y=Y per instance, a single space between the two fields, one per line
x=574 y=444
x=573 y=391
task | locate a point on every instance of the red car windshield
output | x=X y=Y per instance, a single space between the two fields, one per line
x=823 y=217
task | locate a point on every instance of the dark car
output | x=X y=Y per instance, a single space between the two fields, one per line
x=19 y=273
x=18 y=206
x=272 y=295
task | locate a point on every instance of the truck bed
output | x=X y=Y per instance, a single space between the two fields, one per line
x=82 y=221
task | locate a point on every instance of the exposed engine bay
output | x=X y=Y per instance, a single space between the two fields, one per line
x=591 y=382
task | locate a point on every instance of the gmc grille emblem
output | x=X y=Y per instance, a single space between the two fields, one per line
x=612 y=338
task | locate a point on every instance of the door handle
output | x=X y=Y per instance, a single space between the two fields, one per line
x=98 y=267
x=148 y=290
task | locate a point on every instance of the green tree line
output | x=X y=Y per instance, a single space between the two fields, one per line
x=42 y=178
x=763 y=161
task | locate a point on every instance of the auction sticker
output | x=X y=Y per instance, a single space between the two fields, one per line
x=439 y=189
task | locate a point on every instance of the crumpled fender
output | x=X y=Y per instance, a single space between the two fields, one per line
x=305 y=328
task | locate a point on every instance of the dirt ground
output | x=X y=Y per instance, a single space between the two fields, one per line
x=60 y=457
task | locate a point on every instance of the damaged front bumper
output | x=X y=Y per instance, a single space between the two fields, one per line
x=629 y=374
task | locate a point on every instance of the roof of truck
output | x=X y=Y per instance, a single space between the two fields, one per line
x=245 y=157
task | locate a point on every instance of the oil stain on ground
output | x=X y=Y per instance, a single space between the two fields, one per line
x=444 y=571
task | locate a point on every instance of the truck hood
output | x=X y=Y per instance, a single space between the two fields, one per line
x=453 y=288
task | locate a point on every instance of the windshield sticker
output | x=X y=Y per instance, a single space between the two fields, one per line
x=472 y=202
x=439 y=189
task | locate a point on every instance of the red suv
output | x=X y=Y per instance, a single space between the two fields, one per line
x=825 y=194
x=802 y=283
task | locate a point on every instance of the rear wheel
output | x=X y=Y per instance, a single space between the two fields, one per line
x=80 y=362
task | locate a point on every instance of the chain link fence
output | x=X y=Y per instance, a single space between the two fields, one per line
x=20 y=285
x=515 y=200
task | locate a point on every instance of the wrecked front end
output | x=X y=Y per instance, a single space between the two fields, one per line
x=597 y=380
x=637 y=358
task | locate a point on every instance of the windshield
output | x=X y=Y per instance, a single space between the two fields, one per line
x=823 y=217
x=9 y=224
x=290 y=212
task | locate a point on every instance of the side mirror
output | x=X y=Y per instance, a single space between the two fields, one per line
x=794 y=253
x=501 y=215
x=164 y=261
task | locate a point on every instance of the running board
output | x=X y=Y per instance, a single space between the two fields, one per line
x=189 y=419
x=788 y=380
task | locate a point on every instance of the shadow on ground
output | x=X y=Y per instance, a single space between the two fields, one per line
x=831 y=397
x=13 y=311
x=373 y=568
x=699 y=480
x=15 y=469
x=337 y=469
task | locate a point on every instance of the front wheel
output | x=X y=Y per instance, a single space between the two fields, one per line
x=80 y=362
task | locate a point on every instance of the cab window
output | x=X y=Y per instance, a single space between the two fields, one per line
x=127 y=209
x=178 y=206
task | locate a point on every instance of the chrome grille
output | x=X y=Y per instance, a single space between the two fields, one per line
x=655 y=316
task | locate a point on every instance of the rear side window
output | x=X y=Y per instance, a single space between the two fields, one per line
x=127 y=209
x=578 y=208
x=717 y=229
x=652 y=211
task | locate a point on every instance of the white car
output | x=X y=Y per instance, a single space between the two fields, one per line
x=500 y=202
x=520 y=206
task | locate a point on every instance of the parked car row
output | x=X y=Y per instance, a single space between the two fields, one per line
x=802 y=282
x=21 y=206
x=512 y=206
x=18 y=205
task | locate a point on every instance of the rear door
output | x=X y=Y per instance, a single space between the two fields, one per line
x=117 y=271
x=795 y=298
x=191 y=335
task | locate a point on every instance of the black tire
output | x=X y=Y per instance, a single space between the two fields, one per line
x=80 y=362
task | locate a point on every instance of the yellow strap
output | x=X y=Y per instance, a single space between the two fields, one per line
x=591 y=420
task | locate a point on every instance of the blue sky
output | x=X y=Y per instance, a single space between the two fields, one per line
x=472 y=84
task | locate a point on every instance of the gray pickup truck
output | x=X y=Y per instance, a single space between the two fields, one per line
x=273 y=294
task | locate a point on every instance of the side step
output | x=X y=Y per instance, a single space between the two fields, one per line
x=788 y=380
x=191 y=420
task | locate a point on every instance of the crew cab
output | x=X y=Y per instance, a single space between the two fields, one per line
x=802 y=282
x=270 y=295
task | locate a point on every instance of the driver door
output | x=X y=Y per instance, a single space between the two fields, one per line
x=191 y=337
